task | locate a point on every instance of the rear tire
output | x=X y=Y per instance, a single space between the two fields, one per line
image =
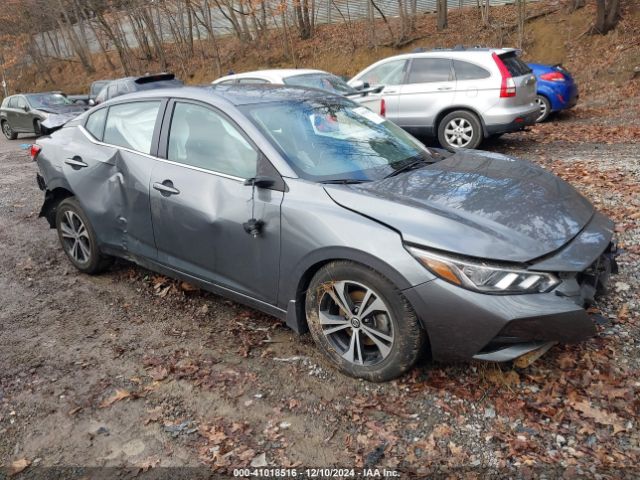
x=460 y=129
x=8 y=131
x=78 y=239
x=379 y=338
x=545 y=108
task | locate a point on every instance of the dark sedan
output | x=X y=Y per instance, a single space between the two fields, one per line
x=122 y=86
x=35 y=113
x=312 y=208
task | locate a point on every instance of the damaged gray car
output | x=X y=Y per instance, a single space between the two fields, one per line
x=36 y=113
x=312 y=208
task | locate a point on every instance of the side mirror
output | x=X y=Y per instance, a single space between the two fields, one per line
x=359 y=85
x=260 y=181
x=26 y=108
x=91 y=102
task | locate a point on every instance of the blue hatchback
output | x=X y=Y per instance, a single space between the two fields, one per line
x=556 y=89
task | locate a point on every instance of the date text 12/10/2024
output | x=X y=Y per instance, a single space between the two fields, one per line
x=316 y=473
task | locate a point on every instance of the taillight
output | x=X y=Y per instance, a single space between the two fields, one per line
x=383 y=108
x=553 y=77
x=34 y=151
x=508 y=84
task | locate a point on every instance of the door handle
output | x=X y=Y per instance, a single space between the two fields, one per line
x=445 y=88
x=75 y=162
x=166 y=188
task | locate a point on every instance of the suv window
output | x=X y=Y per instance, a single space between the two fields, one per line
x=425 y=70
x=202 y=138
x=469 y=71
x=95 y=123
x=515 y=66
x=21 y=103
x=389 y=73
x=131 y=125
x=12 y=102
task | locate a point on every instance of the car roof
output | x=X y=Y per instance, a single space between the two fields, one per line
x=450 y=52
x=273 y=72
x=233 y=94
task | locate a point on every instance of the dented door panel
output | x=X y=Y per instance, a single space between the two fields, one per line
x=199 y=229
x=113 y=189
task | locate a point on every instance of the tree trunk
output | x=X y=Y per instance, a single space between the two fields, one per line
x=441 y=9
x=607 y=16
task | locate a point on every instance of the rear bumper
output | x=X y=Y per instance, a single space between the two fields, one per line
x=512 y=122
x=561 y=96
x=464 y=325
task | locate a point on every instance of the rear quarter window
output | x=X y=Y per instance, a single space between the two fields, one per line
x=95 y=123
x=469 y=71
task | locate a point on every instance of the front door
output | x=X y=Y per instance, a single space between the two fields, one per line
x=199 y=203
x=429 y=89
x=390 y=76
x=23 y=118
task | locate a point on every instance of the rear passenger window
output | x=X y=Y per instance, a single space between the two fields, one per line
x=251 y=81
x=131 y=125
x=95 y=123
x=425 y=70
x=469 y=71
x=202 y=138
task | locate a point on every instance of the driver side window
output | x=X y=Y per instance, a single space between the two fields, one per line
x=389 y=73
x=201 y=137
x=21 y=103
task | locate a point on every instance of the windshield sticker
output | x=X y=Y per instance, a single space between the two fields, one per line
x=369 y=115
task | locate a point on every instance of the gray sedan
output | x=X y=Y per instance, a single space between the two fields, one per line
x=318 y=211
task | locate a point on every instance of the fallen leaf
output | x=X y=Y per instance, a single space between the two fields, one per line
x=158 y=373
x=259 y=461
x=116 y=397
x=601 y=416
x=18 y=466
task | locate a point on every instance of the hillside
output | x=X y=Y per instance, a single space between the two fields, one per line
x=552 y=35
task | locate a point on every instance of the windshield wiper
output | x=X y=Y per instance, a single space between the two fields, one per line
x=409 y=166
x=344 y=181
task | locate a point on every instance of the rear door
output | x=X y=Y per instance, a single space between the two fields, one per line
x=108 y=165
x=429 y=89
x=200 y=203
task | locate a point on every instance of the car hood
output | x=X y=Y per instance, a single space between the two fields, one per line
x=64 y=109
x=474 y=203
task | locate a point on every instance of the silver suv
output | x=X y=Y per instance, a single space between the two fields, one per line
x=462 y=95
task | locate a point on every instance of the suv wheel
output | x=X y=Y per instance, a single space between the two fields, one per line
x=8 y=132
x=78 y=238
x=544 y=106
x=460 y=129
x=362 y=323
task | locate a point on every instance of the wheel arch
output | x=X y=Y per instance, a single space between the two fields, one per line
x=52 y=199
x=296 y=293
x=450 y=109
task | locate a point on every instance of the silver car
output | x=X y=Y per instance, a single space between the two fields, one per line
x=316 y=210
x=460 y=96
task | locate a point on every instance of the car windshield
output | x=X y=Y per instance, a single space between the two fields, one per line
x=44 y=100
x=336 y=140
x=323 y=81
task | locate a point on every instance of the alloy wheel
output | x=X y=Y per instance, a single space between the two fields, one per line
x=542 y=106
x=458 y=132
x=356 y=321
x=75 y=237
x=6 y=129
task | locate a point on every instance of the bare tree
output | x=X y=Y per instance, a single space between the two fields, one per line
x=441 y=10
x=607 y=16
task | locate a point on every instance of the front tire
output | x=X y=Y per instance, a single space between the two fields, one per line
x=8 y=131
x=460 y=129
x=78 y=239
x=362 y=323
x=544 y=107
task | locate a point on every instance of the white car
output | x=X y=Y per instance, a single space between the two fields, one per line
x=304 y=77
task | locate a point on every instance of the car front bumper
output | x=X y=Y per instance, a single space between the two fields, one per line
x=464 y=325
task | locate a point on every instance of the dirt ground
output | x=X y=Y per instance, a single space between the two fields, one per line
x=131 y=370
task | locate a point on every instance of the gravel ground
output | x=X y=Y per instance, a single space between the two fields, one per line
x=129 y=369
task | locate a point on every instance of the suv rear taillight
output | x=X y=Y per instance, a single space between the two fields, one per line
x=34 y=150
x=383 y=108
x=553 y=77
x=508 y=84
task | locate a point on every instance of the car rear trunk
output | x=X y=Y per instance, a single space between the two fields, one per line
x=523 y=77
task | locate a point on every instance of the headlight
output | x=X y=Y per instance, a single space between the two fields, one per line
x=483 y=277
